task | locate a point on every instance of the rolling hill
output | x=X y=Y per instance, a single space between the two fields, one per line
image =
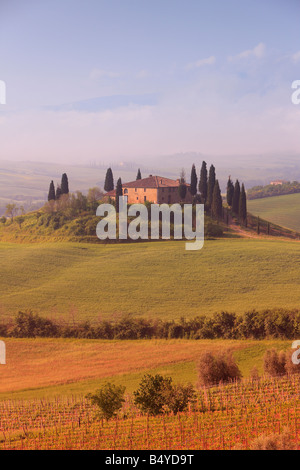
x=281 y=210
x=83 y=365
x=27 y=183
x=77 y=281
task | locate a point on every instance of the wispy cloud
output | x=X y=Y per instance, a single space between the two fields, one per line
x=257 y=52
x=200 y=63
x=296 y=57
x=142 y=74
x=99 y=73
x=103 y=103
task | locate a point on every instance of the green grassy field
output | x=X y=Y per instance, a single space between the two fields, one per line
x=157 y=280
x=281 y=210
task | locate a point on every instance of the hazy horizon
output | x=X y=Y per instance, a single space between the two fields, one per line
x=136 y=81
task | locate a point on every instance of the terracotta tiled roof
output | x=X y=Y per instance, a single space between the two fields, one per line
x=111 y=193
x=150 y=182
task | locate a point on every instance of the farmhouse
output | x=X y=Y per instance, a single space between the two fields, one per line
x=154 y=189
x=277 y=182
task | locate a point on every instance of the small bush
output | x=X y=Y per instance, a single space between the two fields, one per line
x=254 y=374
x=179 y=397
x=275 y=363
x=274 y=442
x=151 y=397
x=109 y=399
x=157 y=394
x=290 y=367
x=212 y=230
x=213 y=369
x=90 y=226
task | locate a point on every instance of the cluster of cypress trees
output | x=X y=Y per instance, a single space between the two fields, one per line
x=210 y=193
x=209 y=190
x=237 y=200
x=109 y=184
x=63 y=188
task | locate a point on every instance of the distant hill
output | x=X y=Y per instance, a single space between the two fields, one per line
x=273 y=189
x=27 y=183
x=281 y=210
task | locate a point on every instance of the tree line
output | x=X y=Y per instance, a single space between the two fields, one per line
x=271 y=190
x=266 y=324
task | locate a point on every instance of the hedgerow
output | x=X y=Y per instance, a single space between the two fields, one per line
x=265 y=324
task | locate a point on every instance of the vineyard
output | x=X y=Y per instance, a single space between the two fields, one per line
x=224 y=418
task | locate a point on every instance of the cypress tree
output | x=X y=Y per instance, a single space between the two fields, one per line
x=243 y=206
x=109 y=181
x=194 y=180
x=217 y=202
x=227 y=216
x=139 y=175
x=236 y=198
x=182 y=191
x=58 y=192
x=211 y=185
x=51 y=194
x=182 y=188
x=203 y=183
x=64 y=184
x=119 y=193
x=230 y=192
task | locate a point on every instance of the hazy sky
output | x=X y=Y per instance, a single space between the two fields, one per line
x=124 y=79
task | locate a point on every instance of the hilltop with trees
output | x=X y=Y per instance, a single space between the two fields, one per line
x=270 y=190
x=72 y=215
x=61 y=189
